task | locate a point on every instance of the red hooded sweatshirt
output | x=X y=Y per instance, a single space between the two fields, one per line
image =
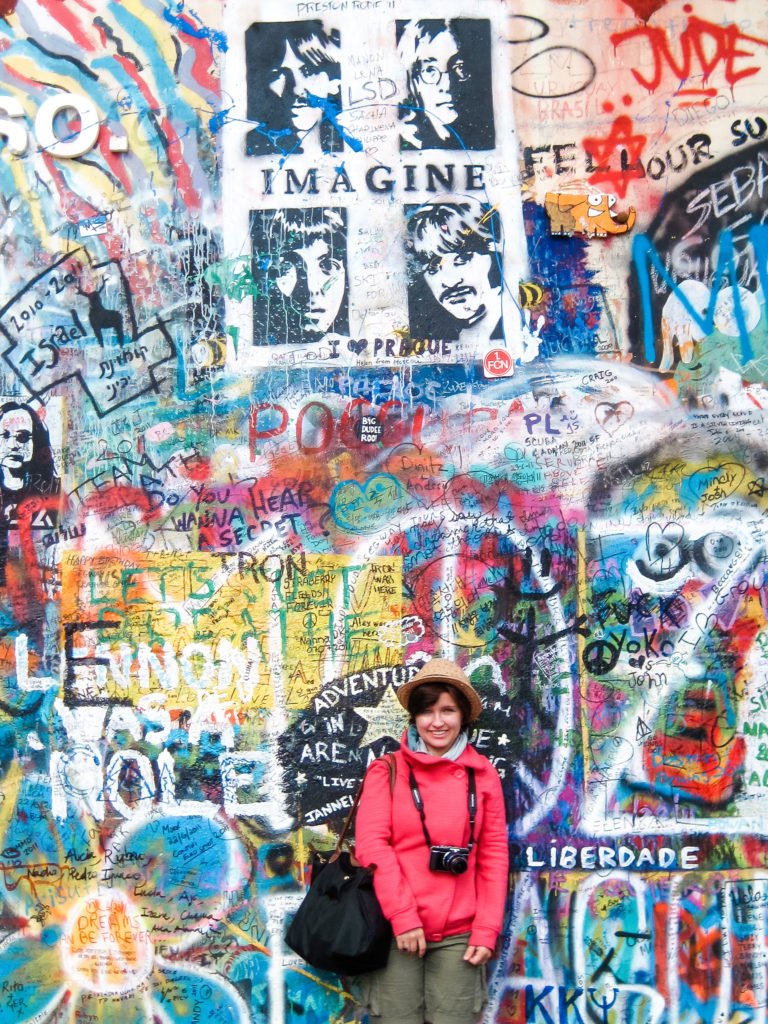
x=388 y=834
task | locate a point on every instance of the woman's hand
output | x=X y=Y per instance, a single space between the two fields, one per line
x=413 y=942
x=478 y=955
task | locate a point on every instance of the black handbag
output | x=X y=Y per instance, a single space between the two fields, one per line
x=340 y=925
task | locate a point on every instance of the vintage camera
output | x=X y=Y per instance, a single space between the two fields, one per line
x=453 y=859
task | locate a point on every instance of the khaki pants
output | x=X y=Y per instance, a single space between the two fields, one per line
x=441 y=987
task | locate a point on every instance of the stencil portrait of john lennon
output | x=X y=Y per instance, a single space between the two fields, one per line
x=300 y=271
x=294 y=87
x=448 y=102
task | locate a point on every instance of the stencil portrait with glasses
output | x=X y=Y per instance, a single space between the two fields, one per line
x=26 y=461
x=448 y=102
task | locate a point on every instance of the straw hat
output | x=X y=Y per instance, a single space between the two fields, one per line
x=440 y=670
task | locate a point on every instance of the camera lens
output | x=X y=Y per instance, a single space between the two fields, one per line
x=456 y=863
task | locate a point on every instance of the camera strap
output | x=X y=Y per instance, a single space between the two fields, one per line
x=471 y=804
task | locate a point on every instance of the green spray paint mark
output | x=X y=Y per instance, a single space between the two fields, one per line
x=234 y=276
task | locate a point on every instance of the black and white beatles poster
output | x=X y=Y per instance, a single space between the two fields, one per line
x=371 y=193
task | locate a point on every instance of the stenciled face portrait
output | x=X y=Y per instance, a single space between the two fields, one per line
x=16 y=447
x=448 y=104
x=299 y=84
x=300 y=266
x=459 y=282
x=26 y=460
x=311 y=276
x=437 y=72
x=454 y=268
x=294 y=87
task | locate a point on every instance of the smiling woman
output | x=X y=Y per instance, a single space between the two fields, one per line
x=438 y=717
x=438 y=838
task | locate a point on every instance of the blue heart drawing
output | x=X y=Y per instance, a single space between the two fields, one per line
x=365 y=509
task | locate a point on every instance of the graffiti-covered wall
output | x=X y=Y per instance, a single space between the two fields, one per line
x=334 y=336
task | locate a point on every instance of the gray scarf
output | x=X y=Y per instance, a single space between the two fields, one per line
x=415 y=743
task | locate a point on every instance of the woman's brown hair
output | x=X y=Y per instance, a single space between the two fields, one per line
x=427 y=695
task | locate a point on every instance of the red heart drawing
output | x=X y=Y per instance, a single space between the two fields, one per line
x=645 y=8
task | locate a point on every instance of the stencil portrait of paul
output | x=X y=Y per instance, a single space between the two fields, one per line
x=300 y=273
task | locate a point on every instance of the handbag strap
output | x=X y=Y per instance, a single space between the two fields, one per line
x=392 y=769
